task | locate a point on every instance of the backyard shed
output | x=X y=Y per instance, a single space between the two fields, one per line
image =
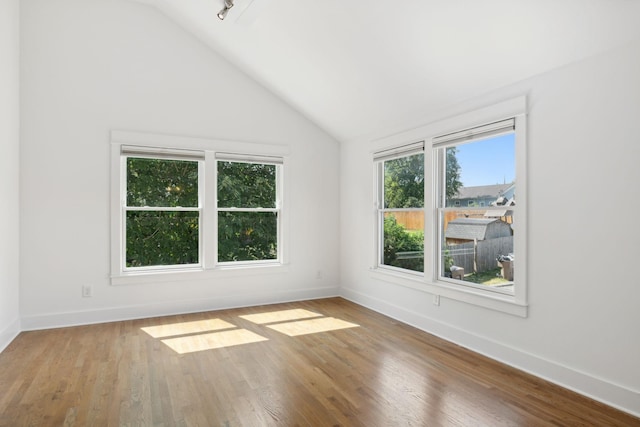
x=462 y=230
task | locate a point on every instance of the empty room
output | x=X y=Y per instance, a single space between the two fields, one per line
x=319 y=213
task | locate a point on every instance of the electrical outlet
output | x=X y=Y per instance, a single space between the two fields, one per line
x=319 y=275
x=87 y=291
x=436 y=300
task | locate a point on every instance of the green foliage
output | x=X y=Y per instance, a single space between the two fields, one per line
x=403 y=188
x=162 y=183
x=161 y=237
x=448 y=261
x=404 y=182
x=490 y=277
x=247 y=236
x=246 y=185
x=452 y=178
x=396 y=240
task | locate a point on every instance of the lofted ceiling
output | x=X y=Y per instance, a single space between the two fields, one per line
x=360 y=68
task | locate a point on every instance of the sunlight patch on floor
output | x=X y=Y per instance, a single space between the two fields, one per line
x=209 y=334
x=313 y=326
x=213 y=340
x=280 y=316
x=185 y=328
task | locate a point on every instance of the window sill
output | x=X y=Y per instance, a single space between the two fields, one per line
x=178 y=275
x=490 y=300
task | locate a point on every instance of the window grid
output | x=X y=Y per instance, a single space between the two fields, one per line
x=207 y=234
x=434 y=233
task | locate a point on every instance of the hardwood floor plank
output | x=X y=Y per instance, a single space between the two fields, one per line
x=379 y=372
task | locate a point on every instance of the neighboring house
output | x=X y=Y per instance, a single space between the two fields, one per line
x=507 y=198
x=463 y=230
x=483 y=195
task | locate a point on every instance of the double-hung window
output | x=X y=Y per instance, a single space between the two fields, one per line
x=189 y=210
x=400 y=207
x=248 y=209
x=161 y=209
x=451 y=215
x=476 y=242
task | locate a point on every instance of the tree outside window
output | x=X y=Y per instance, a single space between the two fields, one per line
x=247 y=211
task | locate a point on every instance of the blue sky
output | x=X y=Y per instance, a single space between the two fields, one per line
x=487 y=162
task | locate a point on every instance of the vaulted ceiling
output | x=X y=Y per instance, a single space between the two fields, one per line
x=362 y=68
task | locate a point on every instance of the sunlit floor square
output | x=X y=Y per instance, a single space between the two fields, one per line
x=185 y=328
x=313 y=326
x=280 y=316
x=213 y=340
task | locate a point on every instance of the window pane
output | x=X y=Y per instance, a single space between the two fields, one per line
x=246 y=185
x=247 y=236
x=158 y=182
x=162 y=238
x=474 y=242
x=403 y=240
x=480 y=173
x=404 y=182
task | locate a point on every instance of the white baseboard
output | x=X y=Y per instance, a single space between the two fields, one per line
x=8 y=334
x=615 y=395
x=115 y=314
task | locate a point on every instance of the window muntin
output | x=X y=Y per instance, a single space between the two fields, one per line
x=248 y=211
x=161 y=213
x=473 y=239
x=401 y=212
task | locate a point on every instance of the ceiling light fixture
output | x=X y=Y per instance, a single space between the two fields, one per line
x=228 y=4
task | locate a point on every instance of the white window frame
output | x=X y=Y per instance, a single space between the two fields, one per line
x=439 y=145
x=208 y=152
x=270 y=160
x=127 y=152
x=379 y=159
x=516 y=303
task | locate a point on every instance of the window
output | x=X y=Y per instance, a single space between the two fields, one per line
x=180 y=210
x=472 y=240
x=472 y=232
x=400 y=202
x=161 y=212
x=248 y=211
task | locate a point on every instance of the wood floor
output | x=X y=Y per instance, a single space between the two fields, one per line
x=314 y=363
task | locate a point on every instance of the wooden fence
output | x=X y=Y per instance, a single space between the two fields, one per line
x=414 y=220
x=480 y=256
x=411 y=220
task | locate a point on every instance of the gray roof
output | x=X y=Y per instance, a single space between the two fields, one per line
x=482 y=191
x=468 y=228
x=498 y=213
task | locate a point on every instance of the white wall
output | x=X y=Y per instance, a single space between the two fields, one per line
x=583 y=237
x=9 y=160
x=89 y=66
